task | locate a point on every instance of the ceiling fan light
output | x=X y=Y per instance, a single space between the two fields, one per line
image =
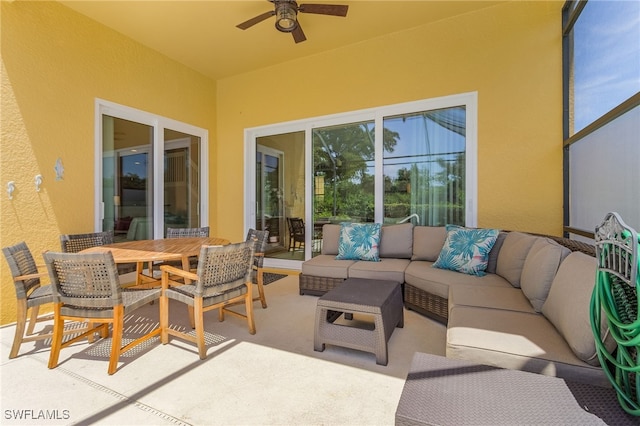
x=286 y=18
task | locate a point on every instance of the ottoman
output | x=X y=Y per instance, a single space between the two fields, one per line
x=445 y=391
x=377 y=298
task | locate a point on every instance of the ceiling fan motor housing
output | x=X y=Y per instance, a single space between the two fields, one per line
x=286 y=14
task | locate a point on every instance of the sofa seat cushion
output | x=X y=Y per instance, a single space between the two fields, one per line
x=515 y=340
x=385 y=269
x=421 y=274
x=326 y=265
x=510 y=298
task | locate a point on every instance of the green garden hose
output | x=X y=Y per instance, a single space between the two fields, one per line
x=616 y=296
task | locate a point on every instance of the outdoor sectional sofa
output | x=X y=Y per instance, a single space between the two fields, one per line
x=529 y=312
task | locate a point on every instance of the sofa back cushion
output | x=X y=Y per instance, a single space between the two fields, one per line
x=568 y=305
x=495 y=251
x=428 y=242
x=513 y=254
x=330 y=238
x=540 y=269
x=397 y=241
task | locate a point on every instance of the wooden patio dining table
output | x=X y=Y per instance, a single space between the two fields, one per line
x=143 y=252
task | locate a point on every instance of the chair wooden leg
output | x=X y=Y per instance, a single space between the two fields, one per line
x=221 y=314
x=249 y=305
x=33 y=319
x=104 y=332
x=56 y=340
x=260 y=281
x=191 y=320
x=164 y=319
x=20 y=325
x=199 y=317
x=116 y=337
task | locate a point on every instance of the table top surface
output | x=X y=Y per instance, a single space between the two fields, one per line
x=361 y=291
x=156 y=250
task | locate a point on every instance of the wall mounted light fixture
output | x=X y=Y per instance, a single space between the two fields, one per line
x=11 y=186
x=38 y=181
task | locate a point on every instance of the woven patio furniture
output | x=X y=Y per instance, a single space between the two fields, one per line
x=377 y=298
x=616 y=296
x=187 y=233
x=74 y=243
x=261 y=239
x=433 y=305
x=223 y=277
x=30 y=294
x=87 y=287
x=296 y=233
x=445 y=391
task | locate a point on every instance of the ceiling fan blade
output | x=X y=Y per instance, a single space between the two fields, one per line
x=251 y=22
x=324 y=9
x=298 y=34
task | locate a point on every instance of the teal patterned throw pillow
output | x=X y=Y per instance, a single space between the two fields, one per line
x=359 y=241
x=466 y=250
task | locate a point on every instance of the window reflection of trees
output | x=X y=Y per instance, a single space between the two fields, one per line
x=424 y=170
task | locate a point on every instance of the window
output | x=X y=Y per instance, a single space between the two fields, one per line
x=407 y=162
x=424 y=167
x=344 y=166
x=602 y=113
x=149 y=173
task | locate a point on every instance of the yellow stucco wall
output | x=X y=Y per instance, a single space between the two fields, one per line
x=510 y=54
x=55 y=62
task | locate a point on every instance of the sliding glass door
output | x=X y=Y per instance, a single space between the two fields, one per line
x=150 y=174
x=181 y=180
x=413 y=162
x=279 y=192
x=270 y=196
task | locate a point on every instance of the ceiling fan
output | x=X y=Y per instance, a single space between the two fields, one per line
x=286 y=12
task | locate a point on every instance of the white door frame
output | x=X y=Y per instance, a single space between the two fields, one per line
x=159 y=124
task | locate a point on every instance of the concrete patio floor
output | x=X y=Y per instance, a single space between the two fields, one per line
x=272 y=377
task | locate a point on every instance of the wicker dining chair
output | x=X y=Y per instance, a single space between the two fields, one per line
x=257 y=277
x=87 y=287
x=30 y=294
x=187 y=232
x=223 y=277
x=74 y=243
x=296 y=233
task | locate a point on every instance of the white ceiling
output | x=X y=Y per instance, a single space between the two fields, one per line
x=203 y=35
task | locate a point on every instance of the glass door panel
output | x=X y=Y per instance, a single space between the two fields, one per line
x=280 y=192
x=127 y=179
x=181 y=180
x=343 y=184
x=424 y=169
